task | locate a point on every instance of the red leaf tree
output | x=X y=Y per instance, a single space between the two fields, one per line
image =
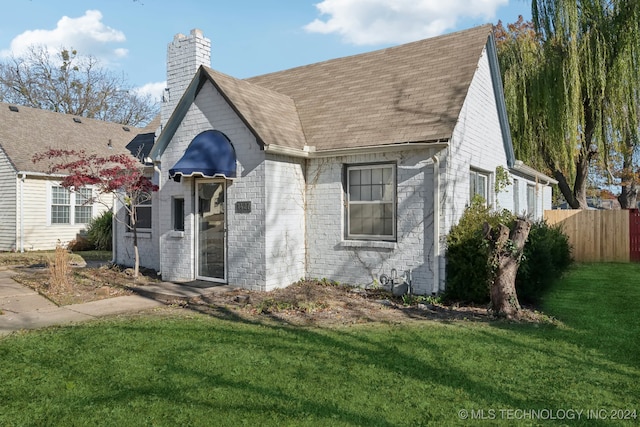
x=120 y=175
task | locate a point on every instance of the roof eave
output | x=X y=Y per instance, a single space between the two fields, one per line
x=521 y=169
x=310 y=153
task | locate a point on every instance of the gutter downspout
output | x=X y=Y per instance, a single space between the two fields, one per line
x=114 y=231
x=436 y=224
x=21 y=183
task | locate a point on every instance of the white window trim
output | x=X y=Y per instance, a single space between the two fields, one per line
x=366 y=237
x=72 y=205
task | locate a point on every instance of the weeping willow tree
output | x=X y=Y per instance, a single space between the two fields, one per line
x=571 y=81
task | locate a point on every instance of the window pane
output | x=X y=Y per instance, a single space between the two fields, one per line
x=354 y=177
x=355 y=193
x=83 y=214
x=365 y=193
x=531 y=199
x=83 y=196
x=482 y=186
x=376 y=192
x=365 y=175
x=60 y=214
x=144 y=217
x=376 y=176
x=178 y=214
x=59 y=196
x=355 y=219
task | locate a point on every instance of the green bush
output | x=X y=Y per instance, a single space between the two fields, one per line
x=99 y=231
x=546 y=256
x=467 y=254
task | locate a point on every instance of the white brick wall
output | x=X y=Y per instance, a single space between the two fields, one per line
x=185 y=54
x=245 y=232
x=285 y=221
x=330 y=255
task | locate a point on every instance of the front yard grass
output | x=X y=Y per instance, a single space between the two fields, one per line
x=191 y=369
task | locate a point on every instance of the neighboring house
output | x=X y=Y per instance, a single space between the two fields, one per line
x=347 y=169
x=36 y=212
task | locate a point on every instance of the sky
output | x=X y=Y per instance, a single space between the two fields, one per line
x=248 y=37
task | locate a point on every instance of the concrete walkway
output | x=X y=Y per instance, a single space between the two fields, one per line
x=23 y=308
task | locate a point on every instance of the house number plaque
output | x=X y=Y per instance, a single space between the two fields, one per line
x=243 y=207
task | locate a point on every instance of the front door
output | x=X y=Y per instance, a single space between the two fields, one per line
x=212 y=230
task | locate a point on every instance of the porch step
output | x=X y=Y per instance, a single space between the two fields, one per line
x=169 y=291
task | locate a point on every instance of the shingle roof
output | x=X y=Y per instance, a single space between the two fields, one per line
x=30 y=130
x=272 y=115
x=408 y=93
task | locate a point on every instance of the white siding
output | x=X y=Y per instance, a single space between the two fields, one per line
x=39 y=233
x=8 y=199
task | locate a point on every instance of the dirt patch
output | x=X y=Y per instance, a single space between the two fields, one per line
x=86 y=284
x=308 y=302
x=325 y=304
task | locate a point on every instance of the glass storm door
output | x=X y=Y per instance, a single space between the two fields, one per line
x=212 y=230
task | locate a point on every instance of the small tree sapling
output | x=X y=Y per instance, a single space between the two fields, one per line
x=120 y=175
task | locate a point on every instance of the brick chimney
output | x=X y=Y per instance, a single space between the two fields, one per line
x=185 y=54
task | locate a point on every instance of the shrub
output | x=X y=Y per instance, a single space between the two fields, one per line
x=547 y=255
x=59 y=270
x=467 y=255
x=99 y=231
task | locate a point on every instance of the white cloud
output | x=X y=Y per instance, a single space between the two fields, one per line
x=87 y=34
x=373 y=22
x=155 y=90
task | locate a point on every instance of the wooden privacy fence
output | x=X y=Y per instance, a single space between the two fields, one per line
x=600 y=235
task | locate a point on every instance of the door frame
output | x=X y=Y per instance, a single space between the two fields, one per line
x=197 y=230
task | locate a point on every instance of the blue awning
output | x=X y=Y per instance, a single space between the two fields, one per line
x=209 y=155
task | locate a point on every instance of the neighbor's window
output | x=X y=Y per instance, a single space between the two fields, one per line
x=71 y=207
x=479 y=185
x=83 y=205
x=178 y=214
x=60 y=205
x=371 y=202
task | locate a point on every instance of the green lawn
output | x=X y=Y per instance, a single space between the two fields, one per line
x=203 y=371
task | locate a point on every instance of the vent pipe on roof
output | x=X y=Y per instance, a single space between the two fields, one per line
x=13 y=108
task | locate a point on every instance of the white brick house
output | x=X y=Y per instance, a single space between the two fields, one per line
x=344 y=169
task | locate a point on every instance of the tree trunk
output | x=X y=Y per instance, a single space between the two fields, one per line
x=136 y=252
x=506 y=253
x=628 y=197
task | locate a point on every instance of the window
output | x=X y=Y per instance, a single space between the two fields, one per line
x=479 y=185
x=371 y=202
x=516 y=196
x=60 y=205
x=83 y=206
x=67 y=205
x=531 y=200
x=143 y=215
x=178 y=214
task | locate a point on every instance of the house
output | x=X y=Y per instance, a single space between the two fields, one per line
x=37 y=213
x=353 y=169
